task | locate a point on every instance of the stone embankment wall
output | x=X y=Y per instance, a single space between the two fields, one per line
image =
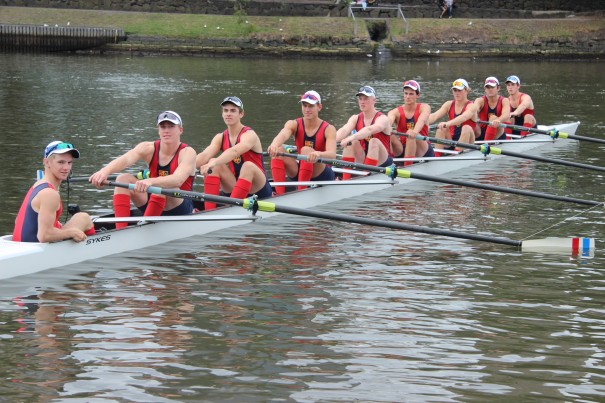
x=410 y=8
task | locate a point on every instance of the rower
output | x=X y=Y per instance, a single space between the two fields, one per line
x=171 y=164
x=38 y=218
x=461 y=114
x=366 y=137
x=315 y=138
x=491 y=107
x=521 y=106
x=411 y=118
x=239 y=169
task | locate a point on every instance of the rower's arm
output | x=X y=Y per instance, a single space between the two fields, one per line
x=330 y=134
x=48 y=203
x=394 y=117
x=470 y=113
x=345 y=130
x=439 y=113
x=505 y=116
x=211 y=151
x=284 y=135
x=423 y=118
x=131 y=157
x=526 y=103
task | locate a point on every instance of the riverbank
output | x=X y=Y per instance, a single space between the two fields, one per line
x=218 y=35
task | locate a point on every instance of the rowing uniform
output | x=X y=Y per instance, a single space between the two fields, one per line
x=406 y=124
x=486 y=112
x=26 y=223
x=156 y=170
x=385 y=139
x=236 y=164
x=519 y=120
x=456 y=131
x=316 y=142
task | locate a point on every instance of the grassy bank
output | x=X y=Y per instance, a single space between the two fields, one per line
x=198 y=27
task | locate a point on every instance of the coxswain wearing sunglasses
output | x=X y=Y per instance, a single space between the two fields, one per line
x=315 y=138
x=411 y=118
x=461 y=117
x=171 y=164
x=494 y=108
x=521 y=107
x=38 y=217
x=239 y=170
x=366 y=137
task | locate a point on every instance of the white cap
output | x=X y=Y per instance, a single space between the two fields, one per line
x=513 y=79
x=460 y=84
x=311 y=97
x=491 y=82
x=169 y=116
x=59 y=147
x=366 y=90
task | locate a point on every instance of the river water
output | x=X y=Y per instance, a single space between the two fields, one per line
x=299 y=309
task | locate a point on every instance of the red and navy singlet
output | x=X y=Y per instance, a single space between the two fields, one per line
x=406 y=124
x=519 y=120
x=385 y=139
x=486 y=112
x=456 y=131
x=236 y=165
x=156 y=170
x=316 y=142
x=26 y=223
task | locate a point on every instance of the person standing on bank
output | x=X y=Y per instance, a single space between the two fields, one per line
x=411 y=118
x=492 y=107
x=366 y=137
x=315 y=138
x=171 y=164
x=38 y=218
x=521 y=106
x=239 y=169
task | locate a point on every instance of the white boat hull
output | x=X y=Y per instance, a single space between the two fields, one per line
x=20 y=258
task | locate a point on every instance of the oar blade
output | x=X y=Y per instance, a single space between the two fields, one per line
x=575 y=246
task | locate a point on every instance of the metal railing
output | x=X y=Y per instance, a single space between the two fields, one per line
x=399 y=13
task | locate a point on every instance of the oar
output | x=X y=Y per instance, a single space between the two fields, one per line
x=76 y=179
x=575 y=245
x=553 y=133
x=487 y=149
x=403 y=173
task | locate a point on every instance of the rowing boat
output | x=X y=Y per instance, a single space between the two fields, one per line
x=20 y=258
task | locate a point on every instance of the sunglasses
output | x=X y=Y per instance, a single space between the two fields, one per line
x=234 y=100
x=58 y=146
x=459 y=84
x=366 y=89
x=411 y=84
x=491 y=83
x=169 y=116
x=309 y=96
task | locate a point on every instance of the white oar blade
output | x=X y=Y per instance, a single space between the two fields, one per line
x=575 y=246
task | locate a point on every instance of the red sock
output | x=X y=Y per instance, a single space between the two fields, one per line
x=371 y=161
x=278 y=170
x=529 y=126
x=437 y=153
x=155 y=205
x=346 y=175
x=121 y=208
x=490 y=133
x=91 y=231
x=241 y=189
x=212 y=186
x=305 y=171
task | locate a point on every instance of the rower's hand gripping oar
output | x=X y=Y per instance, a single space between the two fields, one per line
x=574 y=245
x=394 y=172
x=553 y=133
x=487 y=149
